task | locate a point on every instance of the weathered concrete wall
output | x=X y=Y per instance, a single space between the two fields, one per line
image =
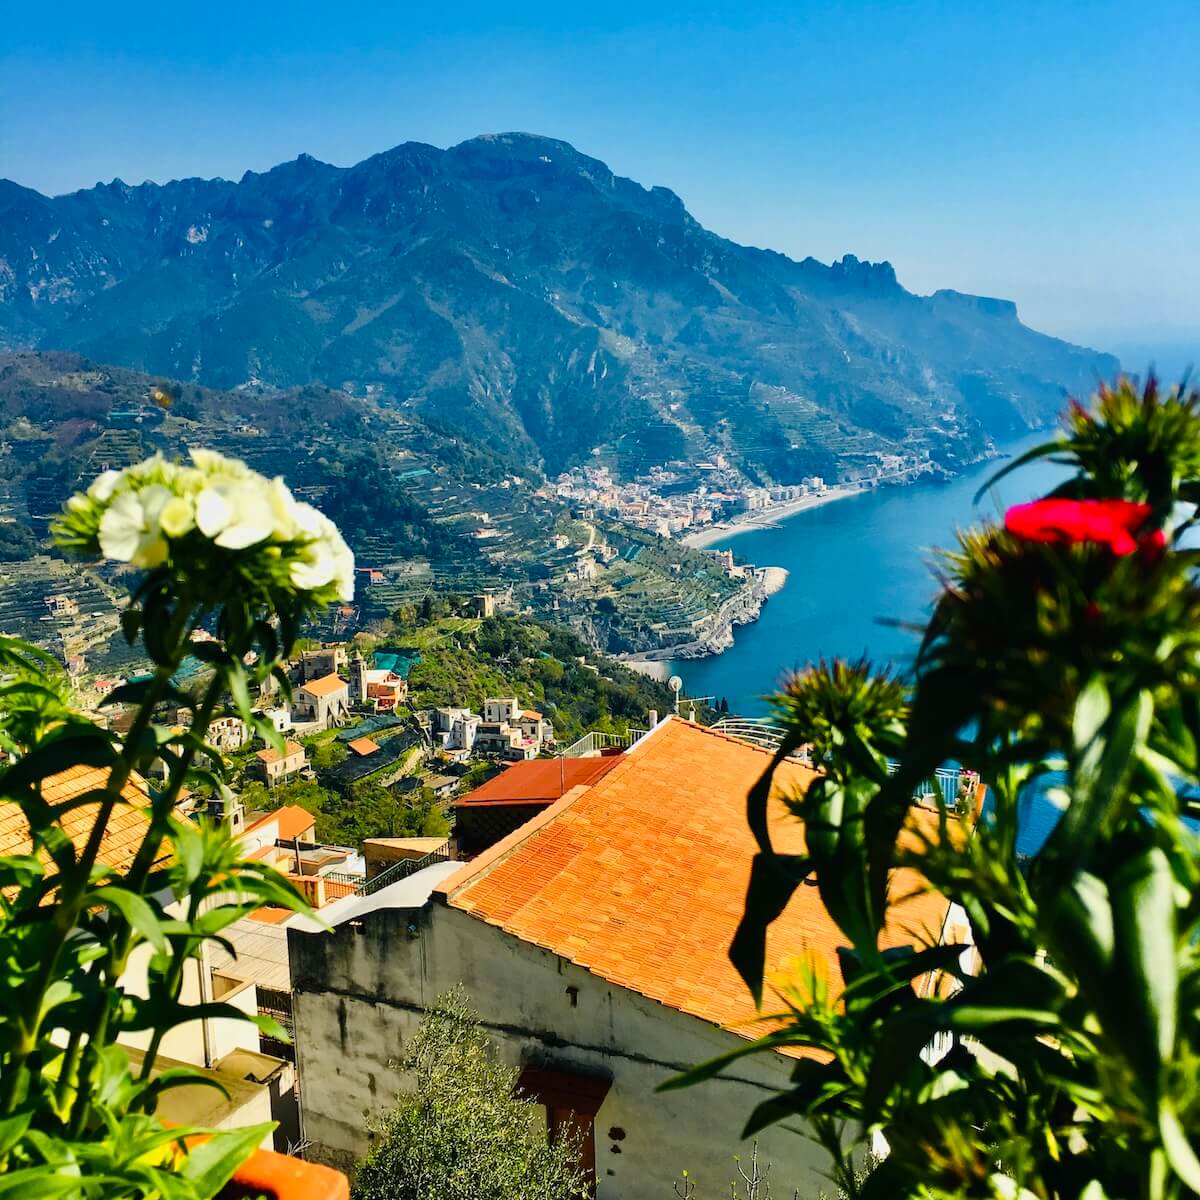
x=359 y=995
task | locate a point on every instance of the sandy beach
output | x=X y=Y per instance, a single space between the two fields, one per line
x=715 y=534
x=773 y=580
x=657 y=669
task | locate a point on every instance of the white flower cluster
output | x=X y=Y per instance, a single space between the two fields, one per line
x=143 y=508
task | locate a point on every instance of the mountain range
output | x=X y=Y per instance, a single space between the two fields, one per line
x=521 y=292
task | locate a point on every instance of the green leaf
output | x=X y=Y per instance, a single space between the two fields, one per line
x=897 y=1053
x=236 y=675
x=44 y=1182
x=818 y=1087
x=79 y=746
x=773 y=879
x=1091 y=711
x=714 y=1066
x=209 y=1166
x=12 y=1129
x=136 y=911
x=1146 y=967
x=1178 y=1148
x=131 y=624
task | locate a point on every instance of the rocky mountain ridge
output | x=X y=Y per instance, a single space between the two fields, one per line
x=522 y=292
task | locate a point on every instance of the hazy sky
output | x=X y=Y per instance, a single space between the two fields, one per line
x=1047 y=152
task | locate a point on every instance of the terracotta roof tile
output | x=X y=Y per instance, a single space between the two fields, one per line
x=538 y=781
x=271 y=755
x=640 y=877
x=293 y=821
x=325 y=686
x=363 y=746
x=126 y=827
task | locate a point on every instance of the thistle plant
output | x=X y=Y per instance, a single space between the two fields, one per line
x=217 y=547
x=1061 y=1057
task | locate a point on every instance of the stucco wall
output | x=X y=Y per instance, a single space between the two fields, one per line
x=360 y=992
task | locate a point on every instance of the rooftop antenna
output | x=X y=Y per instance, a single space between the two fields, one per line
x=676 y=685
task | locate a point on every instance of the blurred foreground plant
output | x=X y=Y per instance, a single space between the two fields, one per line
x=221 y=548
x=1060 y=1057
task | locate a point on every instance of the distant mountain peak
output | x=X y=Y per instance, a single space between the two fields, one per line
x=519 y=290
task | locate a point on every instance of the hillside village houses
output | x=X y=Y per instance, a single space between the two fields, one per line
x=323 y=702
x=275 y=767
x=592 y=939
x=505 y=729
x=380 y=688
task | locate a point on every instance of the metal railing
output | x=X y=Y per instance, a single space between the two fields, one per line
x=592 y=743
x=760 y=730
x=764 y=732
x=403 y=869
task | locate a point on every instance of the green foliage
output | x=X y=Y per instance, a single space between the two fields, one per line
x=1068 y=1064
x=461 y=1133
x=540 y=665
x=371 y=810
x=326 y=753
x=366 y=810
x=76 y=1120
x=364 y=499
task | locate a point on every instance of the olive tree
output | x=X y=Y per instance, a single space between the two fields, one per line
x=463 y=1132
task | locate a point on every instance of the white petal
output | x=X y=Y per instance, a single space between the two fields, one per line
x=213 y=512
x=103 y=485
x=177 y=517
x=121 y=528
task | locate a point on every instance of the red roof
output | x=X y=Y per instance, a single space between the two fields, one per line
x=363 y=746
x=538 y=781
x=271 y=755
x=641 y=877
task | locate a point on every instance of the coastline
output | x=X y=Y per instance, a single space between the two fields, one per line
x=764 y=517
x=714 y=634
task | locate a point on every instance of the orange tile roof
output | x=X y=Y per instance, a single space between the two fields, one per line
x=325 y=686
x=538 y=781
x=641 y=877
x=293 y=821
x=126 y=827
x=363 y=746
x=271 y=755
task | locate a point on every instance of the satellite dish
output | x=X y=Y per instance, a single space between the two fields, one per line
x=675 y=684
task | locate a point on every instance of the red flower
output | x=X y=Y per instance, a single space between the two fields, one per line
x=1112 y=523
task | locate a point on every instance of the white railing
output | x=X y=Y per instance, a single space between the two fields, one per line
x=593 y=743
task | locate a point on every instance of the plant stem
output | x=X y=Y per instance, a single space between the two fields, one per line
x=118 y=777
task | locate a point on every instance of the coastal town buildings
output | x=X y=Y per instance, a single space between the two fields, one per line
x=593 y=942
x=375 y=687
x=504 y=729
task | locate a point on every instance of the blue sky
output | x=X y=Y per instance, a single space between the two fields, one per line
x=1046 y=152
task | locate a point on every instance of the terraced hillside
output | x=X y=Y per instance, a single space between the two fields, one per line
x=424 y=509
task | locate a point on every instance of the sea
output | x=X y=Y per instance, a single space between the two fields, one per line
x=859 y=574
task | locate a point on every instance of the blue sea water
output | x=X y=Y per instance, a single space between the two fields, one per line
x=853 y=566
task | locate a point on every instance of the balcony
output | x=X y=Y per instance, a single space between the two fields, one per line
x=596 y=743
